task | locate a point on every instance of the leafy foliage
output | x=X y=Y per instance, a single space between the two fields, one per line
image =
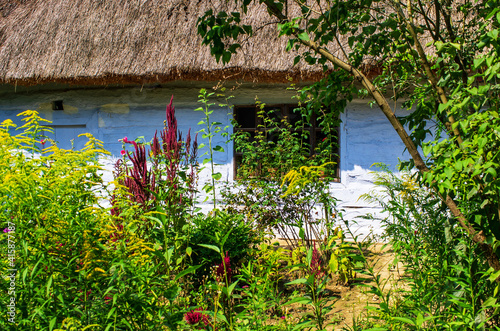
x=440 y=60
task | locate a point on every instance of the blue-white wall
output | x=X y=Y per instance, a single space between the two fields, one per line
x=112 y=113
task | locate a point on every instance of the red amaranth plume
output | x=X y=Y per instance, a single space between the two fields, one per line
x=155 y=145
x=195 y=316
x=220 y=269
x=139 y=180
x=316 y=266
x=173 y=169
x=171 y=119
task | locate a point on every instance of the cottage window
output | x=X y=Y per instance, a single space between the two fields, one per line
x=57 y=105
x=247 y=120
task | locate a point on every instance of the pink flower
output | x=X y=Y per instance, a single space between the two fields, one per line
x=122 y=152
x=195 y=316
x=7 y=230
x=125 y=139
x=42 y=142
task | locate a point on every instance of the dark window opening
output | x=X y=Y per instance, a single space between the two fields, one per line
x=57 y=105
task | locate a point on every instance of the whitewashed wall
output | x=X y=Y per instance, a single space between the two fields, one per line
x=112 y=113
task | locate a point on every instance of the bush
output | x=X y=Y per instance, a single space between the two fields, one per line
x=448 y=279
x=72 y=259
x=210 y=229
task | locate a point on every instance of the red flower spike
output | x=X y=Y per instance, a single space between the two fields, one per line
x=315 y=267
x=228 y=271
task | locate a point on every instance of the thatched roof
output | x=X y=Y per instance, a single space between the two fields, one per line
x=129 y=41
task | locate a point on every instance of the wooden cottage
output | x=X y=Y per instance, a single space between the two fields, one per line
x=109 y=67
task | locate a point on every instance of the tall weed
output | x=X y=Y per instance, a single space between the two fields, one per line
x=448 y=283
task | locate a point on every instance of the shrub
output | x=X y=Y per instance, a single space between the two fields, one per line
x=210 y=229
x=448 y=279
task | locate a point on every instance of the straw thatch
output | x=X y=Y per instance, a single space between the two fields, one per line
x=130 y=41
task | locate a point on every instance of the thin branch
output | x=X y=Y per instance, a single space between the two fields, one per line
x=427 y=67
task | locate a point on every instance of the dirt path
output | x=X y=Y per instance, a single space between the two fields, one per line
x=352 y=300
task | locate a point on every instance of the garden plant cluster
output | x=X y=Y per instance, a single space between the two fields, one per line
x=152 y=260
x=137 y=254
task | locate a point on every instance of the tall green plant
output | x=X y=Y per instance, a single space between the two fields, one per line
x=211 y=129
x=449 y=284
x=71 y=260
x=441 y=59
x=51 y=199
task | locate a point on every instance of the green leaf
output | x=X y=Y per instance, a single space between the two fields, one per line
x=226 y=57
x=212 y=247
x=218 y=149
x=490 y=302
x=303 y=36
x=439 y=45
x=369 y=29
x=448 y=172
x=221 y=317
x=478 y=62
x=231 y=288
x=420 y=320
x=301 y=300
x=172 y=292
x=493 y=34
x=492 y=172
x=297 y=281
x=111 y=312
x=302 y=234
x=52 y=323
x=427 y=149
x=309 y=256
x=49 y=284
x=494 y=276
x=217 y=176
x=296 y=60
x=404 y=320
x=302 y=325
x=189 y=270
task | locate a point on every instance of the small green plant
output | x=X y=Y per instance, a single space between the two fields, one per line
x=341 y=253
x=211 y=129
x=308 y=185
x=316 y=295
x=261 y=293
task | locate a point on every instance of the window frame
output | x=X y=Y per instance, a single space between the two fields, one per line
x=286 y=109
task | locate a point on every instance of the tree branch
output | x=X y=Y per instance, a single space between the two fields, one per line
x=477 y=237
